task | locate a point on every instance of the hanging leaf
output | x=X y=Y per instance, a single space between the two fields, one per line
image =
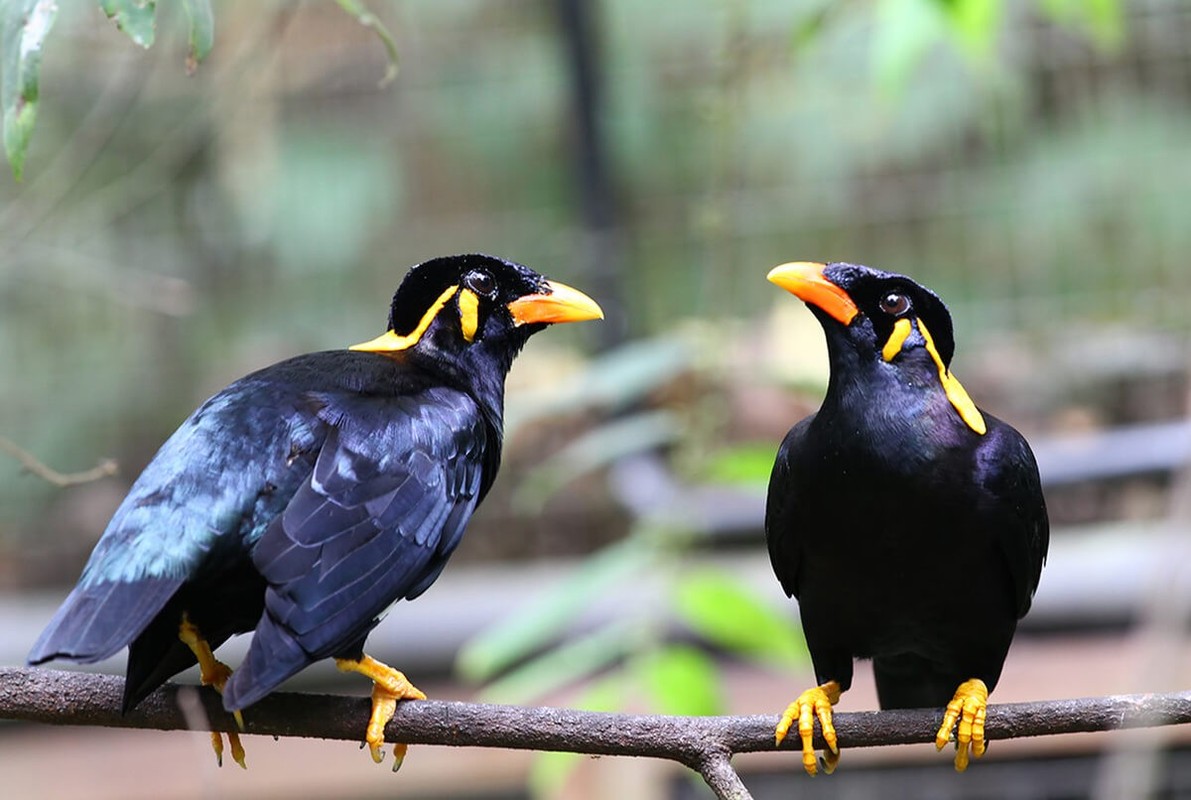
x=23 y=31
x=720 y=608
x=562 y=666
x=974 y=24
x=681 y=680
x=370 y=20
x=905 y=32
x=529 y=630
x=1101 y=18
x=135 y=17
x=201 y=23
x=550 y=771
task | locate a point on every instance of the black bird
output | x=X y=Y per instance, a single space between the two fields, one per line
x=305 y=499
x=909 y=525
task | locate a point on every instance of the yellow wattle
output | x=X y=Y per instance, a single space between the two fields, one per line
x=955 y=392
x=901 y=332
x=392 y=342
x=469 y=313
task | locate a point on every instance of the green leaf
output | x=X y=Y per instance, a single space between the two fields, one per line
x=748 y=464
x=905 y=31
x=975 y=23
x=23 y=30
x=1102 y=19
x=201 y=23
x=531 y=629
x=370 y=20
x=682 y=680
x=720 y=608
x=566 y=664
x=550 y=771
x=135 y=17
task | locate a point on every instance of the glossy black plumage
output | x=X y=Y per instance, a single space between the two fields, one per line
x=907 y=536
x=303 y=500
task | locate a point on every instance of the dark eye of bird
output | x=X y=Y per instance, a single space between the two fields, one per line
x=895 y=304
x=480 y=282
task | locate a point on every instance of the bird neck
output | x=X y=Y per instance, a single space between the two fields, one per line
x=888 y=406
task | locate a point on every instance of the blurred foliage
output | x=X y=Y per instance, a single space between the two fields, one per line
x=175 y=232
x=26 y=23
x=24 y=26
x=636 y=662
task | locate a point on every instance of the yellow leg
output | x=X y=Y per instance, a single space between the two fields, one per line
x=968 y=707
x=388 y=687
x=816 y=702
x=213 y=672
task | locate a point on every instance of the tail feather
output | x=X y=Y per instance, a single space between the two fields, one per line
x=97 y=620
x=273 y=657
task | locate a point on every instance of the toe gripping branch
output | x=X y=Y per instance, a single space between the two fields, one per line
x=214 y=673
x=812 y=703
x=388 y=687
x=968 y=708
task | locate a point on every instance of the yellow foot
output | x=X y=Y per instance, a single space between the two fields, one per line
x=968 y=707
x=388 y=687
x=812 y=703
x=213 y=672
x=233 y=741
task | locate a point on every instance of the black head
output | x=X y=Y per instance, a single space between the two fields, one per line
x=454 y=303
x=884 y=316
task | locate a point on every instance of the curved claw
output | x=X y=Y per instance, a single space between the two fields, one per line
x=214 y=673
x=389 y=686
x=812 y=703
x=968 y=708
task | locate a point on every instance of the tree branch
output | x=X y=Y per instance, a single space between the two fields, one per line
x=704 y=744
x=30 y=462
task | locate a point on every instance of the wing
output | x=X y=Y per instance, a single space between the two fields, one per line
x=1014 y=504
x=393 y=487
x=222 y=473
x=782 y=529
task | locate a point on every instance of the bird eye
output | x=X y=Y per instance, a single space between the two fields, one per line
x=895 y=304
x=480 y=282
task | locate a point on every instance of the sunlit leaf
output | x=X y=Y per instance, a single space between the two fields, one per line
x=201 y=25
x=905 y=31
x=370 y=20
x=23 y=30
x=729 y=615
x=1103 y=19
x=681 y=680
x=550 y=771
x=135 y=17
x=531 y=628
x=748 y=464
x=974 y=23
x=561 y=666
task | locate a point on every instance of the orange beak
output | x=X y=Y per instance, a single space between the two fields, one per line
x=805 y=280
x=560 y=304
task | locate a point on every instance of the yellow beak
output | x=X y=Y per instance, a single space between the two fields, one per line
x=805 y=280
x=560 y=304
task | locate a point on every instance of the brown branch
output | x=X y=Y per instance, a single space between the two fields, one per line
x=30 y=462
x=704 y=744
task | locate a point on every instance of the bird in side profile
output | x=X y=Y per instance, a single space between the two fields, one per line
x=305 y=499
x=909 y=524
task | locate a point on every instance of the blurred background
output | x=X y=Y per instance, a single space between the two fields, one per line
x=1030 y=160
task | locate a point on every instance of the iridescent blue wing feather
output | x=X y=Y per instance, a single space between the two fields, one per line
x=392 y=489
